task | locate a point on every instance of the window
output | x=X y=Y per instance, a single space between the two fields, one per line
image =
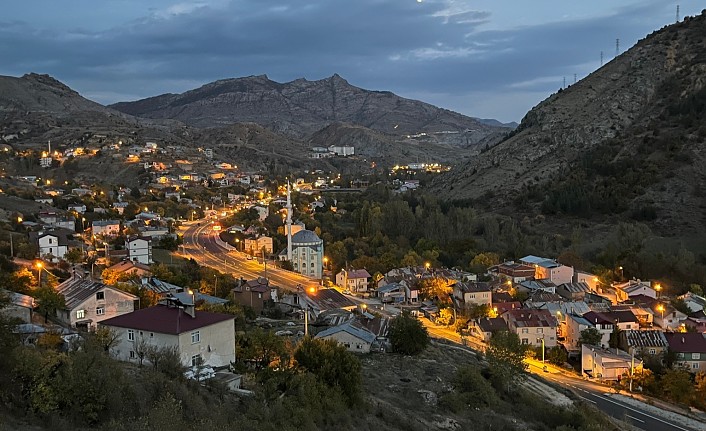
x=359 y=346
x=196 y=360
x=696 y=356
x=525 y=341
x=525 y=330
x=130 y=335
x=100 y=296
x=195 y=337
x=540 y=330
x=81 y=314
x=151 y=334
x=132 y=354
x=653 y=351
x=695 y=365
x=100 y=311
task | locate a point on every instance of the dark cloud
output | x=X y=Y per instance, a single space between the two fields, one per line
x=403 y=46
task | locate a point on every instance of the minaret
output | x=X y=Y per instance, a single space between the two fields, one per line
x=289 y=223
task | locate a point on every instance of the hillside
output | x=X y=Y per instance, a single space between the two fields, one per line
x=627 y=140
x=301 y=108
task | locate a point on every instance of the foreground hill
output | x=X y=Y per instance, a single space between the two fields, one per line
x=301 y=108
x=629 y=139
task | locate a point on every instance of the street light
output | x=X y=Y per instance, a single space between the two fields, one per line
x=39 y=266
x=660 y=308
x=658 y=287
x=193 y=213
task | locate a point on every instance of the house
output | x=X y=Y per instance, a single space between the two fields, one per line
x=106 y=227
x=636 y=342
x=573 y=291
x=79 y=208
x=516 y=272
x=20 y=306
x=411 y=291
x=666 y=316
x=693 y=301
x=572 y=328
x=201 y=338
x=607 y=364
x=257 y=244
x=254 y=293
x=392 y=292
x=193 y=298
x=262 y=211
x=55 y=243
x=690 y=348
x=131 y=268
x=139 y=249
x=485 y=327
x=354 y=338
x=549 y=269
x=89 y=302
x=52 y=219
x=534 y=327
x=320 y=300
x=590 y=279
x=632 y=288
x=606 y=322
x=541 y=285
x=473 y=293
x=696 y=324
x=354 y=280
x=120 y=207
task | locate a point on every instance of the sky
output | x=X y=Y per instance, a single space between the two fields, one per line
x=482 y=58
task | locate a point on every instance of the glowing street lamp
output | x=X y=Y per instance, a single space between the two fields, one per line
x=658 y=288
x=660 y=308
x=39 y=266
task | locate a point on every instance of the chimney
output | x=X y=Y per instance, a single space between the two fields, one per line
x=683 y=340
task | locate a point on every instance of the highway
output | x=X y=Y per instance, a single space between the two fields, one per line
x=593 y=393
x=200 y=244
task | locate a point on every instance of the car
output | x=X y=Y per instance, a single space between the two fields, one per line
x=284 y=333
x=291 y=324
x=250 y=257
x=200 y=375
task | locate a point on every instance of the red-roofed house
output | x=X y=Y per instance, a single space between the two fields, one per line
x=532 y=326
x=253 y=293
x=690 y=348
x=201 y=337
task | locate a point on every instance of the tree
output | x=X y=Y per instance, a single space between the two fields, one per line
x=696 y=289
x=478 y=311
x=332 y=364
x=557 y=355
x=48 y=301
x=74 y=256
x=482 y=261
x=614 y=341
x=505 y=355
x=407 y=334
x=435 y=288
x=445 y=317
x=677 y=386
x=590 y=336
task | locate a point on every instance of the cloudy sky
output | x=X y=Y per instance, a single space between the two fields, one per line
x=484 y=58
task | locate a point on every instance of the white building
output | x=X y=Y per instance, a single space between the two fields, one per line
x=549 y=269
x=202 y=338
x=106 y=227
x=139 y=249
x=307 y=253
x=342 y=150
x=355 y=280
x=353 y=337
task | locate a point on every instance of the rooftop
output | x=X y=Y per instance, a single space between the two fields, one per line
x=686 y=342
x=77 y=290
x=166 y=320
x=651 y=338
x=348 y=327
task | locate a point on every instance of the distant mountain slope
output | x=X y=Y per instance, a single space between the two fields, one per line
x=300 y=108
x=627 y=137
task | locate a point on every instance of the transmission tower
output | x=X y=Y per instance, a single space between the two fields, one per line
x=574 y=78
x=601 y=58
x=677 y=13
x=617 y=47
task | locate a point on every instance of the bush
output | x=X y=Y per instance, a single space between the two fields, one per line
x=407 y=335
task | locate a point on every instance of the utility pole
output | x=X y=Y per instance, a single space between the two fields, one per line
x=12 y=248
x=632 y=356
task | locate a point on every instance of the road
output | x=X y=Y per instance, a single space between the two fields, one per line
x=201 y=245
x=594 y=393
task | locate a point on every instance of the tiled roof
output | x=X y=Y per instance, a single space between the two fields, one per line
x=472 y=287
x=18 y=299
x=355 y=331
x=127 y=265
x=575 y=287
x=326 y=299
x=166 y=320
x=530 y=318
x=492 y=324
x=77 y=290
x=358 y=273
x=651 y=338
x=686 y=342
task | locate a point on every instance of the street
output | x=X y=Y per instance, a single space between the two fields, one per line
x=594 y=393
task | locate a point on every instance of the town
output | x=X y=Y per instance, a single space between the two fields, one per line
x=201 y=254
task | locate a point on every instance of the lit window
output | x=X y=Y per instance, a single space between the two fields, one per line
x=195 y=337
x=696 y=356
x=525 y=330
x=130 y=335
x=100 y=311
x=81 y=314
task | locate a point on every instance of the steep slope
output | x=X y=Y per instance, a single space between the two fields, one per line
x=628 y=137
x=300 y=108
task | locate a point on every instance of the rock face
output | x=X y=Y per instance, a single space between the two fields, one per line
x=300 y=108
x=629 y=103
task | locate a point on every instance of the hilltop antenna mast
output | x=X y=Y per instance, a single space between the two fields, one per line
x=564 y=86
x=601 y=58
x=617 y=47
x=574 y=78
x=677 y=13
